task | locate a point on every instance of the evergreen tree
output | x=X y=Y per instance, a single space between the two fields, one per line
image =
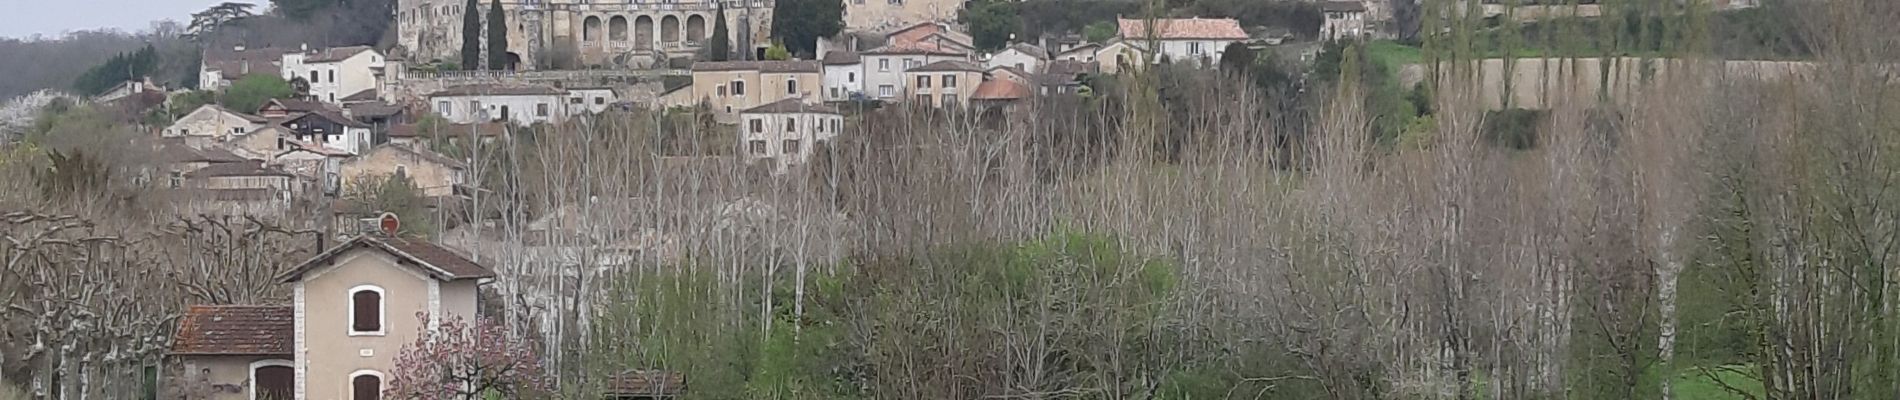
x=118 y=69
x=799 y=23
x=721 y=39
x=471 y=35
x=497 y=37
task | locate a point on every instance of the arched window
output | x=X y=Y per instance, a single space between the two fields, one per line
x=272 y=379
x=366 y=311
x=366 y=385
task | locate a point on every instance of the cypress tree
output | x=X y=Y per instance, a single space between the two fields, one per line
x=497 y=37
x=721 y=39
x=471 y=35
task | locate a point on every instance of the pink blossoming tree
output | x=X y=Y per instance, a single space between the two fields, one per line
x=460 y=361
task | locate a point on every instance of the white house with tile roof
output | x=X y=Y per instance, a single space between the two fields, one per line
x=1183 y=40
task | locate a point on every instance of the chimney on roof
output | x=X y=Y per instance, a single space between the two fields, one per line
x=389 y=224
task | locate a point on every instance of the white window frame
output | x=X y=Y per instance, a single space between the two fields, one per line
x=382 y=381
x=382 y=313
x=252 y=372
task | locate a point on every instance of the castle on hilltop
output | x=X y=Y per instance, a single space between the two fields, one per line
x=575 y=34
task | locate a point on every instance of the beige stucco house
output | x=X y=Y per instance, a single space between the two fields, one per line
x=354 y=307
x=733 y=86
x=946 y=84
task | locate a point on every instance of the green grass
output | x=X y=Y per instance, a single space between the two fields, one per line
x=1393 y=54
x=1694 y=383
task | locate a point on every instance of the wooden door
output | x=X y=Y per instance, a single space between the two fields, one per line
x=274 y=382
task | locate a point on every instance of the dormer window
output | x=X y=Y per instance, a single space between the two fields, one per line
x=366 y=311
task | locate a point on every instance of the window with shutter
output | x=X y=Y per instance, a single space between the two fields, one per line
x=366 y=387
x=366 y=310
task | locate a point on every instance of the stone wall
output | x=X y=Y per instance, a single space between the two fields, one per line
x=637 y=86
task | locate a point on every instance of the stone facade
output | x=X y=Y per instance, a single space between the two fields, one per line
x=886 y=15
x=435 y=174
x=570 y=34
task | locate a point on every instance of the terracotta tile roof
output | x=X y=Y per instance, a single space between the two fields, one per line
x=498 y=90
x=235 y=330
x=1000 y=89
x=439 y=262
x=791 y=105
x=1184 y=28
x=914 y=48
x=913 y=33
x=646 y=383
x=789 y=66
x=948 y=65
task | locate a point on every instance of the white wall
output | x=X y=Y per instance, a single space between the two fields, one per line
x=1186 y=51
x=843 y=80
x=875 y=76
x=593 y=100
x=1343 y=25
x=522 y=109
x=771 y=131
x=1013 y=58
x=338 y=79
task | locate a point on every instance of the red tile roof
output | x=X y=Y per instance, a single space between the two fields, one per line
x=439 y=262
x=1001 y=89
x=1184 y=28
x=235 y=330
x=914 y=48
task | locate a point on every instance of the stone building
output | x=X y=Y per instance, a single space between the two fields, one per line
x=884 y=15
x=571 y=34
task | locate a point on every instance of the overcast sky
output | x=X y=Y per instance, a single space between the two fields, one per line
x=24 y=18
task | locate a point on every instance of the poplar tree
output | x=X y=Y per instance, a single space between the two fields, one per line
x=471 y=35
x=721 y=39
x=497 y=37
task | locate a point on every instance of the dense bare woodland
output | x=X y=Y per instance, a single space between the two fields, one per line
x=1697 y=235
